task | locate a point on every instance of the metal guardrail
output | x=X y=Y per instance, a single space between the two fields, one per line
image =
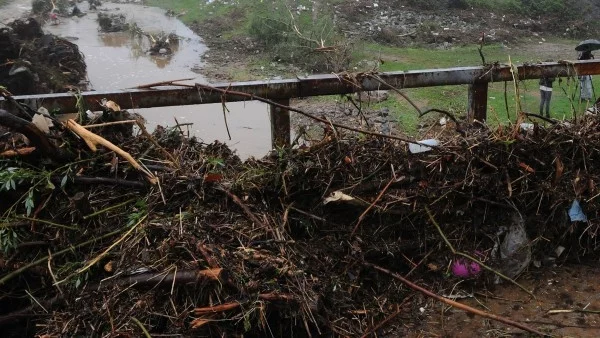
x=282 y=91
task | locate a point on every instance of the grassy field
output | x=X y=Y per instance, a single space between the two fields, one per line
x=452 y=98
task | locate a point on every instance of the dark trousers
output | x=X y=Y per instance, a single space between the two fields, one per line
x=545 y=101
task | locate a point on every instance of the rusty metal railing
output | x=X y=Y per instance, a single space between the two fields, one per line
x=282 y=91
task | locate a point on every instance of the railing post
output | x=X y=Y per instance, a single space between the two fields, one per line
x=280 y=124
x=478 y=95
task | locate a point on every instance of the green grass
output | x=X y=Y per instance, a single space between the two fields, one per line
x=196 y=10
x=454 y=98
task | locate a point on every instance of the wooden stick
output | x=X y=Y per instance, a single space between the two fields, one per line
x=360 y=218
x=241 y=204
x=209 y=311
x=180 y=277
x=456 y=304
x=216 y=308
x=105 y=124
x=102 y=180
x=162 y=83
x=92 y=140
x=17 y=152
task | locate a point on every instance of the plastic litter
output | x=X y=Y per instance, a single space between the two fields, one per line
x=465 y=269
x=422 y=146
x=514 y=250
x=576 y=213
x=526 y=126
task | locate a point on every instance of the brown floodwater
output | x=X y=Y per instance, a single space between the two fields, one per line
x=120 y=60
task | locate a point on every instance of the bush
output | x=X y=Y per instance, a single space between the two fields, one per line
x=297 y=35
x=45 y=6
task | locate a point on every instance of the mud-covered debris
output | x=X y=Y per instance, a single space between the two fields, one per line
x=112 y=22
x=251 y=248
x=33 y=62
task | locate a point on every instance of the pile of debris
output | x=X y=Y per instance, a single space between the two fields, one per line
x=112 y=22
x=162 y=43
x=163 y=234
x=33 y=62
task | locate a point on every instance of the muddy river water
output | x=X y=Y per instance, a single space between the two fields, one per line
x=119 y=61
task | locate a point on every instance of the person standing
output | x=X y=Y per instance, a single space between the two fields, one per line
x=545 y=94
x=586 y=90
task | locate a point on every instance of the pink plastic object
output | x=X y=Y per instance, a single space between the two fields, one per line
x=464 y=269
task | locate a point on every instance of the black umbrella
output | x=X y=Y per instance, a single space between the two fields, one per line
x=588 y=45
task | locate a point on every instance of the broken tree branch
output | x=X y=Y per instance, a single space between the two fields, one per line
x=244 y=207
x=362 y=216
x=92 y=140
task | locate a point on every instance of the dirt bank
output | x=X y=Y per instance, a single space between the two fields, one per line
x=394 y=23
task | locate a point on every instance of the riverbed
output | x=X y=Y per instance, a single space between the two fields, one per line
x=120 y=60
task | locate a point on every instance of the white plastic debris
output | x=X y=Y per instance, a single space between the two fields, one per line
x=41 y=121
x=526 y=126
x=559 y=250
x=337 y=196
x=93 y=115
x=422 y=146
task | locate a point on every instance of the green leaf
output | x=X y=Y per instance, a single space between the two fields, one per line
x=50 y=185
x=63 y=182
x=77 y=283
x=12 y=184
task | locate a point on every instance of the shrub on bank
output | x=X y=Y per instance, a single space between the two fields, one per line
x=300 y=34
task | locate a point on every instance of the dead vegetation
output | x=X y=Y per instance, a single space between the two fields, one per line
x=33 y=62
x=184 y=238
